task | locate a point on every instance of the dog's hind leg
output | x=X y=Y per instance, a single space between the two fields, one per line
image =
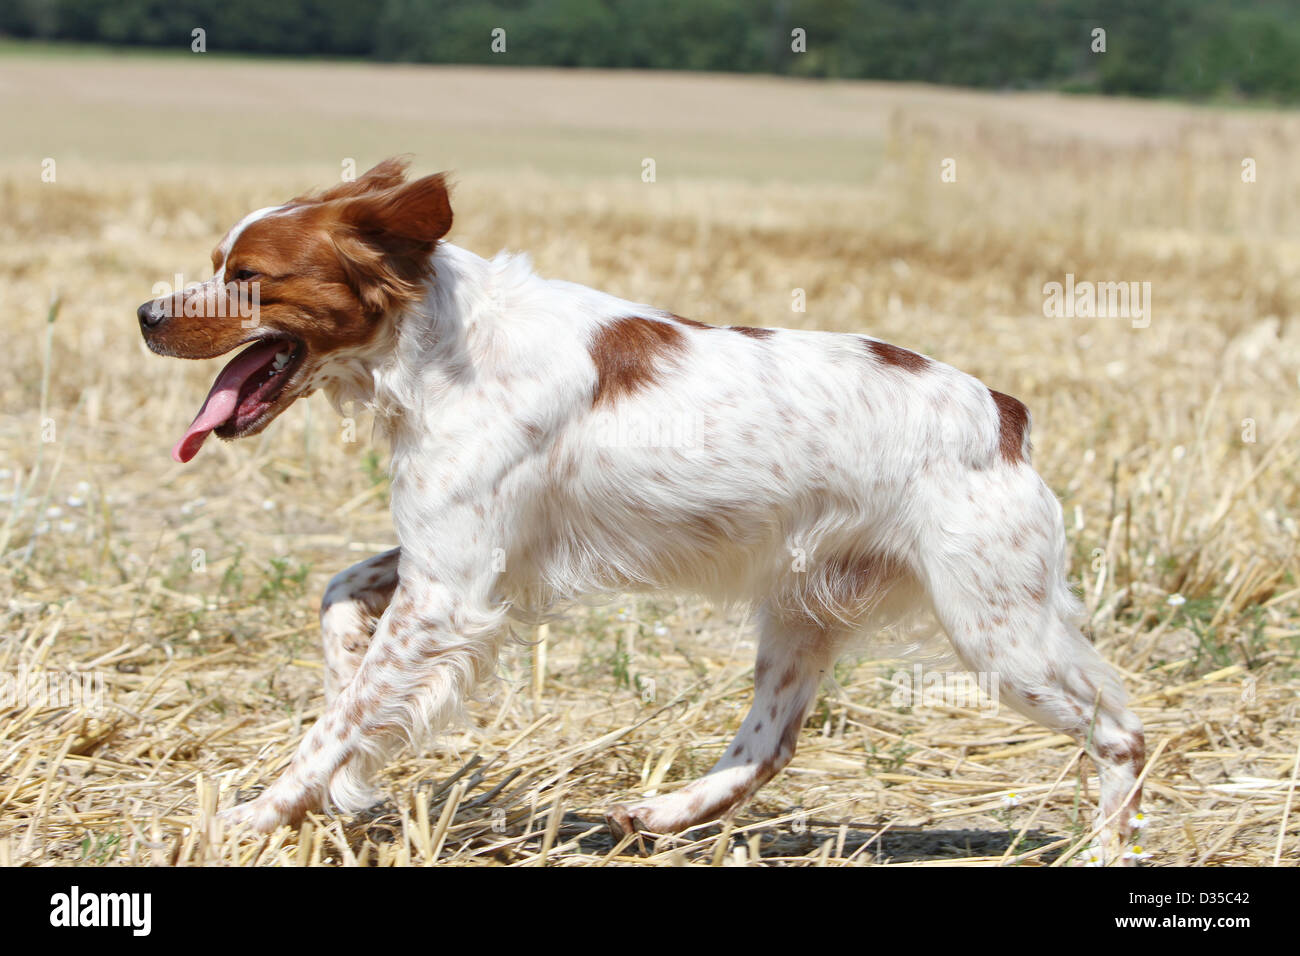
x=792 y=659
x=995 y=571
x=349 y=613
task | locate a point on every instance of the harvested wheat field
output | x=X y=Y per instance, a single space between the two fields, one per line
x=183 y=599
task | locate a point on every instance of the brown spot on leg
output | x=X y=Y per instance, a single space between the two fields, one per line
x=1134 y=752
x=789 y=677
x=1138 y=753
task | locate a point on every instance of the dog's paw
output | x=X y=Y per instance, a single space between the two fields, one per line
x=620 y=821
x=659 y=815
x=258 y=816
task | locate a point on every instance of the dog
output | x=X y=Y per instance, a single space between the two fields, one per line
x=517 y=409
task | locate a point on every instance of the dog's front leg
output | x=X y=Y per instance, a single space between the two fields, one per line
x=429 y=651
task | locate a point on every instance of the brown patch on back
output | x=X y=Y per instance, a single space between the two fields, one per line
x=628 y=354
x=905 y=359
x=1013 y=426
x=751 y=331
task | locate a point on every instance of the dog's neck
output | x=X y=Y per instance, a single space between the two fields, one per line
x=418 y=349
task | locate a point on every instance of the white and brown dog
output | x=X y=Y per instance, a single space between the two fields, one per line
x=518 y=410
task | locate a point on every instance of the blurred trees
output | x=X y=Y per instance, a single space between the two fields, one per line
x=1194 y=48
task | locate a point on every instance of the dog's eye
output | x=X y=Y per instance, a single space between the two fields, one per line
x=246 y=275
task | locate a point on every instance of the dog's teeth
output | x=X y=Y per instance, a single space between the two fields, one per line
x=281 y=360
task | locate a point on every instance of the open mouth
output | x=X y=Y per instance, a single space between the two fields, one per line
x=243 y=393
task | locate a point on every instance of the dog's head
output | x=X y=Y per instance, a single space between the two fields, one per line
x=303 y=285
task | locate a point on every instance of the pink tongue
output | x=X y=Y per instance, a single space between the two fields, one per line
x=223 y=399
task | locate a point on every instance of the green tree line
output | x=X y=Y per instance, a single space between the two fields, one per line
x=1184 y=48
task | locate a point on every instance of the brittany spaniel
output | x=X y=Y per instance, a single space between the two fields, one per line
x=550 y=441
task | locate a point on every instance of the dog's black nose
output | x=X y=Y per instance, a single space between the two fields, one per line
x=151 y=313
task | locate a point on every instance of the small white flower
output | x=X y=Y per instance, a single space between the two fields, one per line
x=624 y=614
x=268 y=505
x=54 y=511
x=1138 y=820
x=42 y=527
x=1011 y=799
x=1093 y=859
x=1137 y=853
x=67 y=527
x=661 y=629
x=83 y=487
x=75 y=502
x=1176 y=600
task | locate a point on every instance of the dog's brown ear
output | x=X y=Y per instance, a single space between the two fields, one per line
x=417 y=212
x=388 y=237
x=391 y=172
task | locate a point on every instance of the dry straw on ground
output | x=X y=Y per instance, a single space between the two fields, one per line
x=191 y=592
